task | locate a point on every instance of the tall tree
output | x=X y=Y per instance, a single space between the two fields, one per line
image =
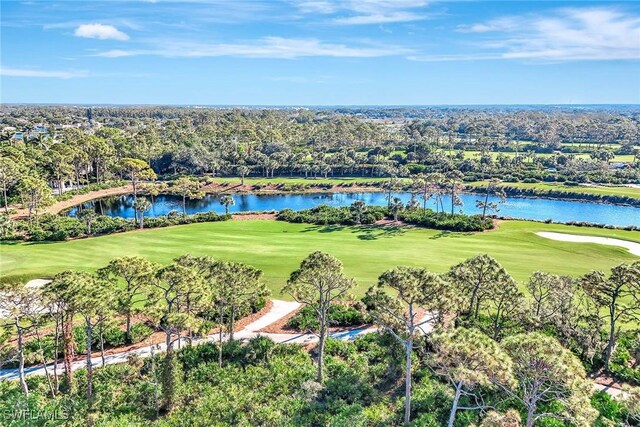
x=94 y=302
x=504 y=306
x=241 y=286
x=88 y=216
x=172 y=303
x=35 y=194
x=467 y=358
x=395 y=207
x=137 y=274
x=551 y=295
x=187 y=188
x=618 y=295
x=454 y=188
x=9 y=175
x=135 y=170
x=479 y=279
x=395 y=302
x=358 y=208
x=243 y=170
x=21 y=306
x=66 y=291
x=141 y=205
x=227 y=201
x=427 y=186
x=493 y=189
x=546 y=373
x=319 y=282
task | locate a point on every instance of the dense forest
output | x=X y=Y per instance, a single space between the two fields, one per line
x=79 y=145
x=60 y=147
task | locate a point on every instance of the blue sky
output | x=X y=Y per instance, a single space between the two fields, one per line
x=320 y=52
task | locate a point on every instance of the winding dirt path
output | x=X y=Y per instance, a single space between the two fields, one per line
x=61 y=205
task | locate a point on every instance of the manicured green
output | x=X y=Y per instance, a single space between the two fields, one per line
x=605 y=190
x=472 y=154
x=277 y=248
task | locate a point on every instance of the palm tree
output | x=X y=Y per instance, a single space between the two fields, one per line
x=396 y=206
x=141 y=206
x=227 y=201
x=243 y=171
x=88 y=216
x=358 y=208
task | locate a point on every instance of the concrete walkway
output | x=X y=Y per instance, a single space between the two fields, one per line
x=278 y=310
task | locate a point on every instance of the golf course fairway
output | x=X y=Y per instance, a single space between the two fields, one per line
x=278 y=247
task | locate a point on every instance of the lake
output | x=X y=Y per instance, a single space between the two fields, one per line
x=515 y=207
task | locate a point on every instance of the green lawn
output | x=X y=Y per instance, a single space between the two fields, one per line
x=471 y=154
x=601 y=190
x=278 y=247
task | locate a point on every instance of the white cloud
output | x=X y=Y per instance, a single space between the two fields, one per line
x=100 y=31
x=570 y=34
x=500 y=24
x=365 y=12
x=319 y=6
x=267 y=47
x=379 y=18
x=14 y=72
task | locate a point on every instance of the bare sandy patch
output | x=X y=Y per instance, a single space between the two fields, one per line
x=632 y=247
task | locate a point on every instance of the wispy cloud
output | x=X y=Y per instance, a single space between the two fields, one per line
x=15 y=72
x=100 y=31
x=570 y=34
x=267 y=47
x=365 y=12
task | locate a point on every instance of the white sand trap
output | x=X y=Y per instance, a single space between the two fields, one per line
x=37 y=283
x=632 y=247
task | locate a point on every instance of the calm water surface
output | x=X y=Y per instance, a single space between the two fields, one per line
x=527 y=208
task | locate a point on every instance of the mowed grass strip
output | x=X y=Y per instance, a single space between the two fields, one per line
x=603 y=190
x=278 y=247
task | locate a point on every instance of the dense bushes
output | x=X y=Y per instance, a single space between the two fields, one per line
x=52 y=227
x=323 y=215
x=443 y=221
x=339 y=315
x=140 y=332
x=625 y=363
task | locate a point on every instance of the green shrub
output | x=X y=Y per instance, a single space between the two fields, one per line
x=140 y=332
x=80 y=338
x=608 y=407
x=444 y=221
x=114 y=336
x=339 y=315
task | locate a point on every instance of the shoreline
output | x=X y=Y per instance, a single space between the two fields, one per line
x=274 y=189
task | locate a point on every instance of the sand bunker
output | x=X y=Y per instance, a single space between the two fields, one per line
x=632 y=247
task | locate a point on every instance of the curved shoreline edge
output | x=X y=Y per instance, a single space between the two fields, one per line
x=632 y=247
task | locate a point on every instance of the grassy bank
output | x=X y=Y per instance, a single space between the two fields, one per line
x=278 y=247
x=582 y=189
